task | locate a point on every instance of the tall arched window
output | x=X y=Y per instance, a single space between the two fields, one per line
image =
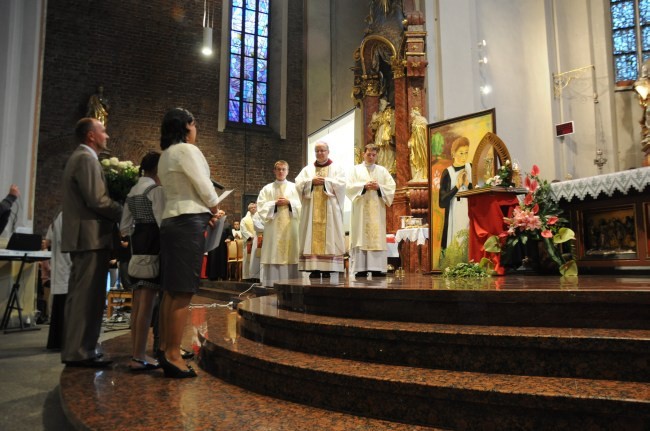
x=248 y=77
x=630 y=37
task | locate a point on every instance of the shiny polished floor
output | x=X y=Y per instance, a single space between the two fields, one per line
x=116 y=398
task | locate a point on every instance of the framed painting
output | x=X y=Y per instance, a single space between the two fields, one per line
x=452 y=144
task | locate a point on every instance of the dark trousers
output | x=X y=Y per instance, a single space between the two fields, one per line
x=55 y=336
x=84 y=306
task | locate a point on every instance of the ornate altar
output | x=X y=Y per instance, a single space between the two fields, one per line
x=610 y=215
x=389 y=73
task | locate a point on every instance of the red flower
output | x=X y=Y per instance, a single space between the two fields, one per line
x=535 y=171
x=547 y=234
x=528 y=199
x=535 y=209
x=552 y=220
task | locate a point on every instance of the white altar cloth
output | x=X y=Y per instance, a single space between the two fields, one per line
x=607 y=184
x=420 y=235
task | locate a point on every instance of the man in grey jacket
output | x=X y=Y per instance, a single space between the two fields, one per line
x=89 y=215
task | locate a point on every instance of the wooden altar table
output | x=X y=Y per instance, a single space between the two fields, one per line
x=610 y=215
x=414 y=249
x=486 y=207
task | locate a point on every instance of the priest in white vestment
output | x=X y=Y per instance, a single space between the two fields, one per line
x=251 y=258
x=321 y=187
x=279 y=208
x=371 y=189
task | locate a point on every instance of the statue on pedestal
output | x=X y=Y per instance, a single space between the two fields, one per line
x=383 y=123
x=418 y=146
x=98 y=106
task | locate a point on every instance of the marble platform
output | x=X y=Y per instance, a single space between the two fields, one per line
x=303 y=360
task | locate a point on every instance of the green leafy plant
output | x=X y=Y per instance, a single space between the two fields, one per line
x=536 y=218
x=466 y=270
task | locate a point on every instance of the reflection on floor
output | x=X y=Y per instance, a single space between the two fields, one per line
x=409 y=353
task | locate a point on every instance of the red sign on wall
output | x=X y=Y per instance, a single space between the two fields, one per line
x=564 y=129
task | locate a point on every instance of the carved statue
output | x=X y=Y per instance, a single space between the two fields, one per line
x=98 y=106
x=418 y=146
x=383 y=123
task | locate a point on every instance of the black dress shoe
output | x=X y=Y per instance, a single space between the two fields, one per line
x=146 y=366
x=174 y=372
x=314 y=274
x=361 y=274
x=89 y=363
x=378 y=274
x=186 y=354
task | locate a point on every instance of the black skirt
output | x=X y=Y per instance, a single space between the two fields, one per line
x=182 y=245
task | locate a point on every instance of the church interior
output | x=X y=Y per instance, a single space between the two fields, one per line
x=548 y=93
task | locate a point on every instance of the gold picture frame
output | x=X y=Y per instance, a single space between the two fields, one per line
x=440 y=136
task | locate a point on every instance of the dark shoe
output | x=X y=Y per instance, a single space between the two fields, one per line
x=314 y=274
x=146 y=366
x=174 y=372
x=89 y=363
x=325 y=274
x=378 y=274
x=158 y=354
x=186 y=354
x=361 y=274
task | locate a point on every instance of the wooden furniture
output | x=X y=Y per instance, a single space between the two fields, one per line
x=486 y=207
x=413 y=246
x=117 y=298
x=235 y=258
x=610 y=215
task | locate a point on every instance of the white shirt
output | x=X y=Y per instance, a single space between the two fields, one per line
x=156 y=196
x=185 y=176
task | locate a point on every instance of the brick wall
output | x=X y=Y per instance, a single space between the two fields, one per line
x=147 y=56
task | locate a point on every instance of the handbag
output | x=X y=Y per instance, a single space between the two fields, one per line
x=144 y=266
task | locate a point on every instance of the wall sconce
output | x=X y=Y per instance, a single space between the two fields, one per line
x=208 y=21
x=642 y=88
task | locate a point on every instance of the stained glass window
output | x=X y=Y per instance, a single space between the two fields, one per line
x=249 y=32
x=630 y=20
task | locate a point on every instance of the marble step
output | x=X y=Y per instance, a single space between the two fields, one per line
x=609 y=354
x=421 y=396
x=115 y=398
x=539 y=303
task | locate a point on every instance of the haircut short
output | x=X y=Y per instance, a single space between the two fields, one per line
x=459 y=143
x=281 y=163
x=372 y=147
x=82 y=128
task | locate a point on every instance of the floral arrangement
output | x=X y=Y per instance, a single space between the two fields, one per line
x=120 y=177
x=536 y=218
x=507 y=176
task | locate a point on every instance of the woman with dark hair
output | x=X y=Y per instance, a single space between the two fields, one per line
x=191 y=205
x=141 y=219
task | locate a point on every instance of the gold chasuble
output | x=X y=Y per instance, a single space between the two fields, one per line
x=374 y=237
x=322 y=234
x=283 y=231
x=319 y=215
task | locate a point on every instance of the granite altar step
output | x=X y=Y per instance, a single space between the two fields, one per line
x=616 y=304
x=115 y=398
x=593 y=353
x=424 y=396
x=236 y=291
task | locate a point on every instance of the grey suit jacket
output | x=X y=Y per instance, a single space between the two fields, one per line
x=89 y=214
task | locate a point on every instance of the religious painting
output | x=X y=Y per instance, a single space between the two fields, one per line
x=609 y=233
x=452 y=144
